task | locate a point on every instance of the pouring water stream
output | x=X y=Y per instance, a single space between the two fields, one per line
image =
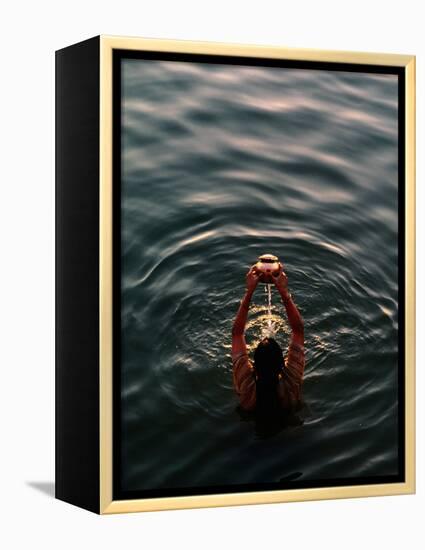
x=270 y=329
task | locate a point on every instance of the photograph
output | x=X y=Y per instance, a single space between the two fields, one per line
x=212 y=226
x=259 y=253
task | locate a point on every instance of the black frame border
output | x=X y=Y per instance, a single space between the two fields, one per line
x=120 y=54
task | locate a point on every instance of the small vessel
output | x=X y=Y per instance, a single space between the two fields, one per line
x=268 y=265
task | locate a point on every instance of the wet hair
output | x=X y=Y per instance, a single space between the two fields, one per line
x=268 y=365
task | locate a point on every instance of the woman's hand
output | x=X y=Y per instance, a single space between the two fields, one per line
x=281 y=281
x=238 y=329
x=252 y=278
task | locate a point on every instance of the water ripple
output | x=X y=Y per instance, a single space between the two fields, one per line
x=221 y=164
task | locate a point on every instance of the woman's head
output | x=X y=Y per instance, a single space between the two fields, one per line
x=268 y=364
x=268 y=360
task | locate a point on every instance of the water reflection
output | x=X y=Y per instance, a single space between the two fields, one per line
x=221 y=164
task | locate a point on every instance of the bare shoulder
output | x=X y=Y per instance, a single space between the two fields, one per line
x=296 y=347
x=295 y=361
x=241 y=361
x=244 y=379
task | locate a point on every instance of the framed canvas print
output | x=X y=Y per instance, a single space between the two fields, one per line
x=234 y=273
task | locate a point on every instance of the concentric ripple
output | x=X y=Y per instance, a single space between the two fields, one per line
x=222 y=164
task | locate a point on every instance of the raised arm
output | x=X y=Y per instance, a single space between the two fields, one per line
x=294 y=316
x=238 y=329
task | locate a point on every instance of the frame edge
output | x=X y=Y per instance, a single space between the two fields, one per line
x=107 y=504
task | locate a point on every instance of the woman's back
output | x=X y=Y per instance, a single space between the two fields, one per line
x=289 y=383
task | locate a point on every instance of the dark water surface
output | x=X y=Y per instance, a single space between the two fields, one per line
x=219 y=165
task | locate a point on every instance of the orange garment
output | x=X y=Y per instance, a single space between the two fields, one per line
x=290 y=383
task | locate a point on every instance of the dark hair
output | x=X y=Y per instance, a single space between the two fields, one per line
x=268 y=365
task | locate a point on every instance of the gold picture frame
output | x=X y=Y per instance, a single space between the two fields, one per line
x=106 y=47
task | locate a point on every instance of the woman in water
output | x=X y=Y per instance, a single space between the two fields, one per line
x=272 y=383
